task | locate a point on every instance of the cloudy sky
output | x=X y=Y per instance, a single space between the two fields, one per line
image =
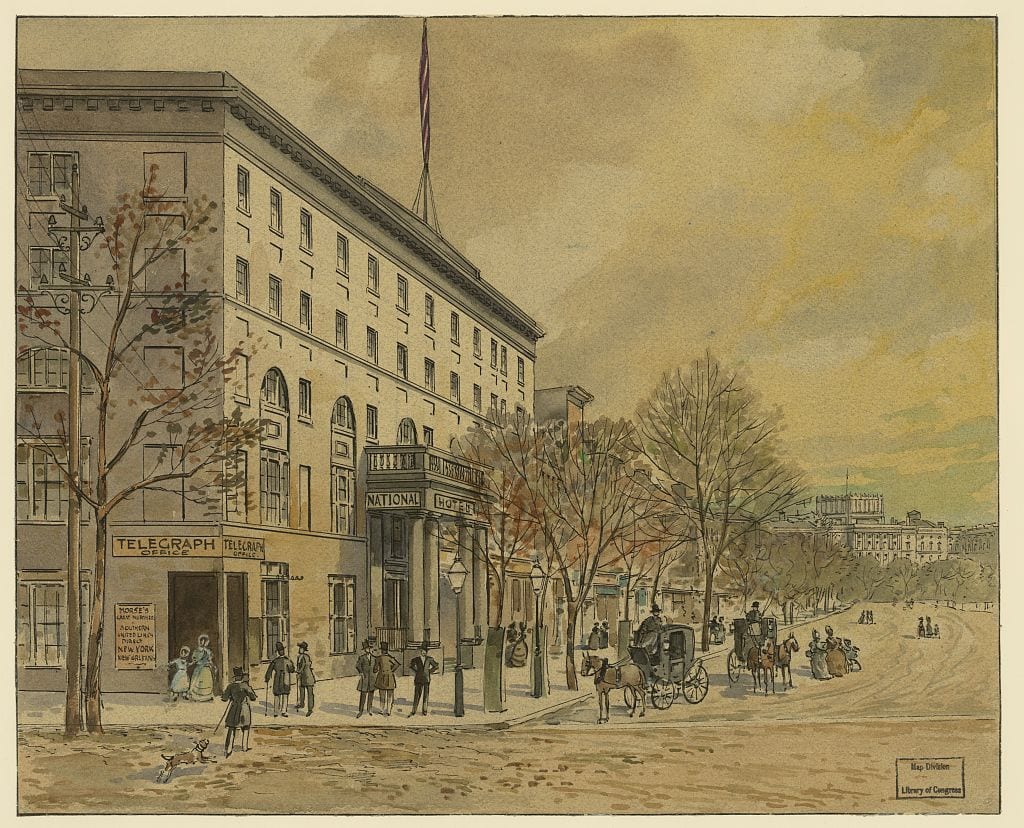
x=814 y=198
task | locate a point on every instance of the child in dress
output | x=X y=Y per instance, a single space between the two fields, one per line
x=179 y=681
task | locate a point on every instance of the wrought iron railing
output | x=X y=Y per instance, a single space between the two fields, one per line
x=395 y=637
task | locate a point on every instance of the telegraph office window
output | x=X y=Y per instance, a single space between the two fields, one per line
x=48 y=623
x=276 y=611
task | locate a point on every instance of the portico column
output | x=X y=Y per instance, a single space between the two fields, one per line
x=415 y=525
x=466 y=554
x=375 y=555
x=480 y=580
x=431 y=607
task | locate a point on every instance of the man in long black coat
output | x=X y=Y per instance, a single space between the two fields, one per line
x=281 y=669
x=423 y=667
x=238 y=694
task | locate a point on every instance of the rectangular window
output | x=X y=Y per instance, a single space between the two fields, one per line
x=453 y=388
x=371 y=345
x=43 y=368
x=342 y=265
x=49 y=174
x=504 y=409
x=165 y=175
x=274 y=486
x=341 y=330
x=520 y=413
x=166 y=500
x=504 y=360
x=243 y=190
x=521 y=370
x=305 y=230
x=305 y=399
x=477 y=343
x=403 y=293
x=428 y=436
x=494 y=405
x=371 y=422
x=343 y=488
x=275 y=211
x=274 y=296
x=403 y=361
x=276 y=612
x=428 y=374
x=455 y=328
x=305 y=311
x=372 y=275
x=48 y=623
x=494 y=353
x=343 y=613
x=165 y=365
x=428 y=310
x=477 y=397
x=242 y=280
x=41 y=491
x=236 y=485
x=47 y=265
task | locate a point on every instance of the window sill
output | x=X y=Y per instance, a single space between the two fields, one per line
x=401 y=310
x=429 y=327
x=341 y=272
x=304 y=419
x=373 y=292
x=305 y=250
x=242 y=400
x=43 y=666
x=456 y=342
x=344 y=653
x=275 y=231
x=244 y=212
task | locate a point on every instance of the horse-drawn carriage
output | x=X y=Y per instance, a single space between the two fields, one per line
x=749 y=635
x=670 y=667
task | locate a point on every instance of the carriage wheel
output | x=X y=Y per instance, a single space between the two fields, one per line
x=695 y=686
x=734 y=666
x=663 y=693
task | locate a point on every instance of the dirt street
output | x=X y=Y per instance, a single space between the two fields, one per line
x=823 y=747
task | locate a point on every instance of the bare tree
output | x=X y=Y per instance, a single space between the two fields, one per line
x=132 y=406
x=716 y=452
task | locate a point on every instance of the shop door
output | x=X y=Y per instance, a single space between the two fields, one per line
x=192 y=612
x=238 y=613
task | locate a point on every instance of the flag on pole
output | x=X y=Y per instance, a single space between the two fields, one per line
x=425 y=97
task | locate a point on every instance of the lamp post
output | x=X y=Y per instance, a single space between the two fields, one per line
x=457 y=578
x=537 y=582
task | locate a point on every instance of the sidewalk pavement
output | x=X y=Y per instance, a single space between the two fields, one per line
x=337 y=703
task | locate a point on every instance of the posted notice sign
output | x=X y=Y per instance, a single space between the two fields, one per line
x=134 y=637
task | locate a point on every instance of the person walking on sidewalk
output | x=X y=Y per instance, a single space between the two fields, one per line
x=423 y=667
x=364 y=666
x=594 y=641
x=384 y=668
x=238 y=694
x=281 y=669
x=306 y=679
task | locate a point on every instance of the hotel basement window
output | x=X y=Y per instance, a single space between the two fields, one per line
x=305 y=311
x=48 y=624
x=371 y=345
x=341 y=330
x=403 y=361
x=455 y=328
x=453 y=392
x=403 y=293
x=477 y=343
x=274 y=296
x=306 y=231
x=343 y=613
x=242 y=280
x=428 y=374
x=342 y=265
x=275 y=211
x=428 y=311
x=243 y=190
x=373 y=275
x=276 y=611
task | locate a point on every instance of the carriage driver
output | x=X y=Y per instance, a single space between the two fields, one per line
x=647 y=634
x=754 y=614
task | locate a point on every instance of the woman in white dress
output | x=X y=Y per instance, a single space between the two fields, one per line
x=179 y=681
x=201 y=686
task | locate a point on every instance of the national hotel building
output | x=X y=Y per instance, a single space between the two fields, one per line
x=371 y=343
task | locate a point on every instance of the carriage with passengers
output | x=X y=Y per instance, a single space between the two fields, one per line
x=748 y=635
x=670 y=667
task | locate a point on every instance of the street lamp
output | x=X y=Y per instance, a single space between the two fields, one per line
x=457 y=578
x=537 y=582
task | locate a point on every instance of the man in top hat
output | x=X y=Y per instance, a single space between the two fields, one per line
x=238 y=716
x=754 y=613
x=306 y=679
x=647 y=634
x=364 y=666
x=423 y=667
x=920 y=627
x=281 y=669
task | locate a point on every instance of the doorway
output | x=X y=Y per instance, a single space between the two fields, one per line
x=192 y=612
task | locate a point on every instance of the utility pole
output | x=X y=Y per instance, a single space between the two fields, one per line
x=68 y=292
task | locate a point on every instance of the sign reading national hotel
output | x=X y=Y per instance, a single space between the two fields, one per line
x=393 y=500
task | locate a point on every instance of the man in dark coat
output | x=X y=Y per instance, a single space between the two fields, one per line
x=281 y=669
x=238 y=694
x=306 y=679
x=604 y=635
x=754 y=613
x=364 y=666
x=647 y=634
x=594 y=640
x=423 y=667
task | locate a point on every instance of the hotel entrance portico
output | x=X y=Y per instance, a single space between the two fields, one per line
x=415 y=497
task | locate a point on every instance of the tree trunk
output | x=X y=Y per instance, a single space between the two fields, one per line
x=709 y=585
x=93 y=708
x=571 y=610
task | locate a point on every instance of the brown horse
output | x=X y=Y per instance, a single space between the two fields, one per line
x=784 y=657
x=761 y=663
x=608 y=678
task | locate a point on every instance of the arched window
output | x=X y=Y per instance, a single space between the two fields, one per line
x=274 y=391
x=407 y=432
x=275 y=462
x=343 y=473
x=43 y=368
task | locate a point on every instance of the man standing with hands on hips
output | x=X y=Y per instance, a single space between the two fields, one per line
x=423 y=667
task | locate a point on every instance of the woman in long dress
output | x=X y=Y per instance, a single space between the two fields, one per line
x=179 y=681
x=201 y=688
x=385 y=682
x=835 y=658
x=816 y=653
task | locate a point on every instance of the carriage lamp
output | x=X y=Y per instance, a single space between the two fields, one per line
x=537 y=582
x=457 y=578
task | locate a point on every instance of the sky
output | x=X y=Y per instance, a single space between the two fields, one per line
x=811 y=198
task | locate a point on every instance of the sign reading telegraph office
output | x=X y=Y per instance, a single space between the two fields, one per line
x=197 y=546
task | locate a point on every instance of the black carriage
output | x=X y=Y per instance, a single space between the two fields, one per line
x=671 y=667
x=747 y=634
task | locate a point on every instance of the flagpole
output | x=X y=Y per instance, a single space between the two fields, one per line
x=424 y=204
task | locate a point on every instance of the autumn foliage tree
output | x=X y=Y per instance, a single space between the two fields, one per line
x=186 y=416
